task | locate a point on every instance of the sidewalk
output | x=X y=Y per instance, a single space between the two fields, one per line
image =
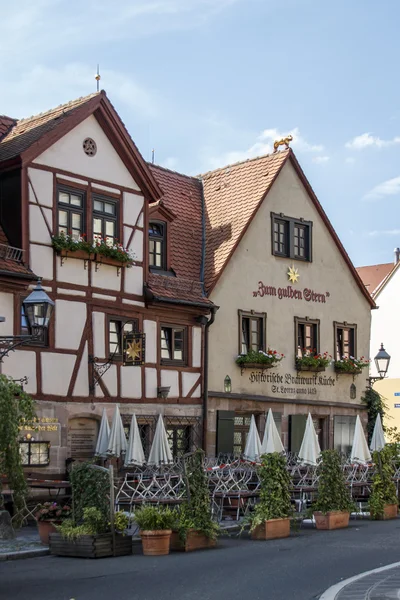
x=378 y=584
x=25 y=545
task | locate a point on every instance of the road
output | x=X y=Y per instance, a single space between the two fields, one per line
x=300 y=567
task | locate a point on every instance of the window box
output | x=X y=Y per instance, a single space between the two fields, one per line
x=80 y=254
x=259 y=360
x=257 y=365
x=348 y=371
x=317 y=369
x=107 y=260
x=351 y=366
x=97 y=257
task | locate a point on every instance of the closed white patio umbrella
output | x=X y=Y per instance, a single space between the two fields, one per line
x=252 y=450
x=117 y=440
x=310 y=449
x=160 y=453
x=104 y=434
x=134 y=454
x=360 y=452
x=378 y=437
x=272 y=440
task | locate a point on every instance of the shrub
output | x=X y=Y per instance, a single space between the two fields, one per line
x=93 y=524
x=383 y=488
x=90 y=488
x=155 y=518
x=332 y=491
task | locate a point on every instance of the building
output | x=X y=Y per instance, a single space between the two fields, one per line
x=74 y=170
x=282 y=279
x=383 y=283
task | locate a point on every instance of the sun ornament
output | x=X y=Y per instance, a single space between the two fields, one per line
x=293 y=274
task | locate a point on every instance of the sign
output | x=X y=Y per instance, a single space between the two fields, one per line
x=292 y=384
x=82 y=437
x=397 y=393
x=397 y=405
x=134 y=349
x=41 y=424
x=289 y=292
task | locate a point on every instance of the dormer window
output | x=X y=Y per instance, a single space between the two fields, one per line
x=157 y=245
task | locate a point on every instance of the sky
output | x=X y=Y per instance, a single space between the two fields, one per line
x=210 y=82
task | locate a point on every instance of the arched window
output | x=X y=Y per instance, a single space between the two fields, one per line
x=157 y=245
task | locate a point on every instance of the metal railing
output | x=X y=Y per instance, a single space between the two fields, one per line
x=11 y=253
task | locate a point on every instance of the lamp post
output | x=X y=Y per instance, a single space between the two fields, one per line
x=382 y=360
x=38 y=308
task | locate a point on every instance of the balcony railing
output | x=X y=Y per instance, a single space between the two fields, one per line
x=11 y=253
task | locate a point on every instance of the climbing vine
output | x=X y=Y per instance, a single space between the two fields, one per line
x=375 y=405
x=16 y=408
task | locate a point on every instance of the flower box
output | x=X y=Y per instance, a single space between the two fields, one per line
x=195 y=540
x=347 y=372
x=310 y=369
x=80 y=254
x=257 y=365
x=107 y=260
x=272 y=529
x=334 y=519
x=90 y=546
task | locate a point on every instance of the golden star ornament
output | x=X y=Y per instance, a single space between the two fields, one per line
x=293 y=274
x=134 y=350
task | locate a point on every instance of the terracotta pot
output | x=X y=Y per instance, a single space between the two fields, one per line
x=195 y=540
x=272 y=529
x=45 y=528
x=334 y=519
x=156 y=543
x=390 y=511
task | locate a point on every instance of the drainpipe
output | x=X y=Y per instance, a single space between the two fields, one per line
x=208 y=324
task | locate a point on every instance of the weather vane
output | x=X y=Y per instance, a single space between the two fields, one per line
x=283 y=142
x=97 y=78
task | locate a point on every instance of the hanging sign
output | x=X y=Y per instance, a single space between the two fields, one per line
x=134 y=349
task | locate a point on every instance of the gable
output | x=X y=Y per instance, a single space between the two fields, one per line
x=67 y=154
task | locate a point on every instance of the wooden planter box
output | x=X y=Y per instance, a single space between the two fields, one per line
x=90 y=546
x=256 y=365
x=106 y=260
x=272 y=530
x=195 y=540
x=80 y=254
x=354 y=372
x=310 y=369
x=99 y=258
x=335 y=519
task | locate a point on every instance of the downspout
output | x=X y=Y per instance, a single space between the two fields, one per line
x=210 y=321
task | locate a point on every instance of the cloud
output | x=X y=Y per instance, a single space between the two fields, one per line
x=319 y=160
x=394 y=232
x=391 y=187
x=350 y=160
x=366 y=140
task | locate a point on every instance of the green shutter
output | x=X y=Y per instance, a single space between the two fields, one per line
x=225 y=429
x=297 y=427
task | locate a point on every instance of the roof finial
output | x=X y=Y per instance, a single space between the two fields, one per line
x=97 y=78
x=152 y=157
x=284 y=141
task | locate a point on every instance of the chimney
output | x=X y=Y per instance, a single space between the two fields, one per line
x=396 y=255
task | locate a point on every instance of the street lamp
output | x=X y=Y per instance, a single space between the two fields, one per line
x=38 y=308
x=382 y=360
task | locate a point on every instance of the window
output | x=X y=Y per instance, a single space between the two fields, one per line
x=291 y=238
x=345 y=340
x=251 y=331
x=43 y=340
x=179 y=439
x=71 y=212
x=173 y=345
x=157 y=236
x=105 y=219
x=115 y=329
x=306 y=336
x=35 y=453
x=343 y=433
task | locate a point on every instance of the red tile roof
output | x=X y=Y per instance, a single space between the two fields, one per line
x=372 y=276
x=7 y=263
x=5 y=124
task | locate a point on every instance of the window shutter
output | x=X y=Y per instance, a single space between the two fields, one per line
x=225 y=430
x=297 y=427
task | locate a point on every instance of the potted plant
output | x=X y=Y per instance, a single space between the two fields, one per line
x=383 y=501
x=195 y=528
x=48 y=516
x=259 y=359
x=100 y=249
x=351 y=365
x=313 y=361
x=155 y=524
x=271 y=516
x=333 y=505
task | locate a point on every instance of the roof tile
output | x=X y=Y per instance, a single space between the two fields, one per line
x=372 y=276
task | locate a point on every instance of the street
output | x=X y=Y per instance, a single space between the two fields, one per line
x=301 y=567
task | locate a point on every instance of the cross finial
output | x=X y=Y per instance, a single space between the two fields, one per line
x=97 y=78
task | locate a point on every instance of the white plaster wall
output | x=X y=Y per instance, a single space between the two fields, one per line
x=56 y=372
x=19 y=364
x=68 y=154
x=188 y=381
x=133 y=302
x=98 y=324
x=170 y=378
x=131 y=382
x=136 y=246
x=70 y=292
x=70 y=320
x=72 y=271
x=110 y=380
x=106 y=277
x=150 y=329
x=141 y=221
x=42 y=182
x=133 y=204
x=41 y=261
x=196 y=346
x=105 y=297
x=134 y=281
x=38 y=231
x=7 y=311
x=197 y=392
x=82 y=381
x=385 y=326
x=151 y=382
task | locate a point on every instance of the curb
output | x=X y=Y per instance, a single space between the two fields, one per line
x=331 y=593
x=25 y=554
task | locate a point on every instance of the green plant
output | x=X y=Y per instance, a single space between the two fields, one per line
x=51 y=511
x=121 y=521
x=313 y=360
x=155 y=518
x=195 y=512
x=376 y=405
x=351 y=364
x=93 y=524
x=383 y=488
x=99 y=246
x=332 y=491
x=16 y=409
x=90 y=488
x=271 y=357
x=275 y=484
